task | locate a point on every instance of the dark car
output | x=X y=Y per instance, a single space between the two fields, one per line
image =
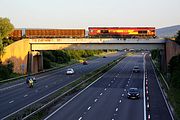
x=104 y=56
x=133 y=93
x=85 y=63
x=136 y=69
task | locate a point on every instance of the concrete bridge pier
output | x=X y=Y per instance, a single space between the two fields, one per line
x=34 y=62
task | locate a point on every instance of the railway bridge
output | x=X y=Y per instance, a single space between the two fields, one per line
x=27 y=53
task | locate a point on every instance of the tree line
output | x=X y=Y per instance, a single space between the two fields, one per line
x=65 y=56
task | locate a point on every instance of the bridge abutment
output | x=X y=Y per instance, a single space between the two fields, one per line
x=35 y=62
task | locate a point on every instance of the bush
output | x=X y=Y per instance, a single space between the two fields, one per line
x=61 y=56
x=174 y=69
x=49 y=55
x=177 y=39
x=47 y=63
x=155 y=54
x=6 y=70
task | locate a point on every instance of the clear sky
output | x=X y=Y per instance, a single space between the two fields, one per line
x=84 y=13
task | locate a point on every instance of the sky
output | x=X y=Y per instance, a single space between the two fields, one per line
x=90 y=13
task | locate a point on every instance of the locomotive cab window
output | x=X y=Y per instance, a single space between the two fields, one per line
x=143 y=32
x=104 y=31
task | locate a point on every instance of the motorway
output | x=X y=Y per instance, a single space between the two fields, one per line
x=106 y=98
x=158 y=109
x=17 y=95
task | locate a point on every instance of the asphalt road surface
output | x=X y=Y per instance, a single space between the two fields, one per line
x=158 y=109
x=16 y=95
x=106 y=99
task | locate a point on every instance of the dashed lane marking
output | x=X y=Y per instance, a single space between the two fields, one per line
x=11 y=101
x=25 y=95
x=80 y=118
x=89 y=107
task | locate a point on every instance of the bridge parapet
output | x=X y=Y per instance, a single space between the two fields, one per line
x=98 y=40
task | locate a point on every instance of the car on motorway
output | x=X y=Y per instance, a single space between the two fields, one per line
x=69 y=71
x=133 y=93
x=104 y=56
x=136 y=69
x=85 y=62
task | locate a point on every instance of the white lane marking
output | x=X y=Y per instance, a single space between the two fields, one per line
x=80 y=118
x=162 y=93
x=101 y=94
x=109 y=85
x=127 y=85
x=128 y=82
x=122 y=94
x=124 y=89
x=89 y=107
x=120 y=101
x=95 y=100
x=105 y=89
x=112 y=81
x=114 y=78
x=147 y=98
x=11 y=101
x=116 y=109
x=42 y=77
x=72 y=98
x=25 y=95
x=46 y=86
x=112 y=119
x=144 y=63
x=6 y=88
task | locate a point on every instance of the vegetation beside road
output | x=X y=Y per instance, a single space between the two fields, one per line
x=59 y=57
x=5 y=28
x=174 y=92
x=173 y=80
x=177 y=39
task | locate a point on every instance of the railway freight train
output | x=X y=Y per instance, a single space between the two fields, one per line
x=93 y=32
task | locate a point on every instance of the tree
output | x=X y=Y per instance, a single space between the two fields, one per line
x=5 y=28
x=178 y=38
x=174 y=69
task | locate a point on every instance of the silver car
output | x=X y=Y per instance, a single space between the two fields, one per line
x=69 y=71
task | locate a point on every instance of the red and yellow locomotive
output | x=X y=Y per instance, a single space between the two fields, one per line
x=122 y=32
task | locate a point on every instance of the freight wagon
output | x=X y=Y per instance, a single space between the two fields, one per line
x=122 y=32
x=47 y=33
x=16 y=34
